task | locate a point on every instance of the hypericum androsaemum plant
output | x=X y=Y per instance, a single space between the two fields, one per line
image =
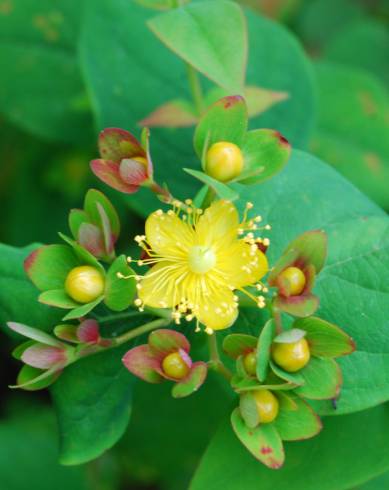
x=199 y=259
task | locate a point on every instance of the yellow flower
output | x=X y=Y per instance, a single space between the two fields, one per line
x=198 y=261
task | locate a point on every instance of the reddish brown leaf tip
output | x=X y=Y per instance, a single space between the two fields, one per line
x=282 y=139
x=29 y=261
x=231 y=100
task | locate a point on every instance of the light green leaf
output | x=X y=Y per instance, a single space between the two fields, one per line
x=119 y=293
x=92 y=399
x=222 y=190
x=216 y=48
x=332 y=460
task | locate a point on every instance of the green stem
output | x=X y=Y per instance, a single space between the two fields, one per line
x=209 y=197
x=276 y=313
x=136 y=332
x=195 y=88
x=215 y=362
x=119 y=316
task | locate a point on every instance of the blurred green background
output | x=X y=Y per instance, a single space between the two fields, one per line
x=48 y=135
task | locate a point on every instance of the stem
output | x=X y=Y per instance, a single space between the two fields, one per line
x=162 y=193
x=209 y=197
x=119 y=316
x=195 y=88
x=276 y=313
x=147 y=327
x=215 y=362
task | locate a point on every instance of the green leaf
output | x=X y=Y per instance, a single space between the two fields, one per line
x=122 y=101
x=372 y=38
x=50 y=107
x=81 y=253
x=237 y=344
x=322 y=379
x=211 y=37
x=119 y=293
x=325 y=339
x=294 y=378
x=333 y=459
x=263 y=442
x=82 y=310
x=33 y=379
x=28 y=420
x=92 y=399
x=48 y=266
x=263 y=349
x=225 y=120
x=265 y=153
x=298 y=423
x=34 y=334
x=58 y=298
x=178 y=113
x=18 y=296
x=160 y=4
x=352 y=127
x=192 y=383
x=248 y=410
x=76 y=218
x=352 y=285
x=222 y=190
x=94 y=197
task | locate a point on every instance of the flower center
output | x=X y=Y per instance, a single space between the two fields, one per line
x=201 y=259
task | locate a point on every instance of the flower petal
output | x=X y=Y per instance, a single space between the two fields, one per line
x=132 y=172
x=115 y=144
x=164 y=341
x=43 y=356
x=161 y=286
x=91 y=238
x=168 y=235
x=241 y=266
x=214 y=305
x=88 y=332
x=108 y=172
x=141 y=362
x=218 y=226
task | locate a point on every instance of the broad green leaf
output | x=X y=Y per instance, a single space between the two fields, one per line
x=265 y=153
x=322 y=379
x=58 y=298
x=39 y=468
x=372 y=38
x=18 y=296
x=263 y=349
x=263 y=442
x=225 y=120
x=92 y=399
x=299 y=422
x=119 y=293
x=49 y=265
x=160 y=4
x=325 y=339
x=38 y=40
x=333 y=459
x=222 y=190
x=212 y=37
x=121 y=101
x=237 y=344
x=352 y=127
x=352 y=285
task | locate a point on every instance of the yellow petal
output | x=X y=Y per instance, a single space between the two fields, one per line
x=168 y=236
x=162 y=285
x=240 y=266
x=218 y=226
x=215 y=305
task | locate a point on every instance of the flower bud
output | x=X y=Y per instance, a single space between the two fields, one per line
x=250 y=363
x=295 y=279
x=267 y=406
x=175 y=365
x=224 y=161
x=84 y=284
x=291 y=356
